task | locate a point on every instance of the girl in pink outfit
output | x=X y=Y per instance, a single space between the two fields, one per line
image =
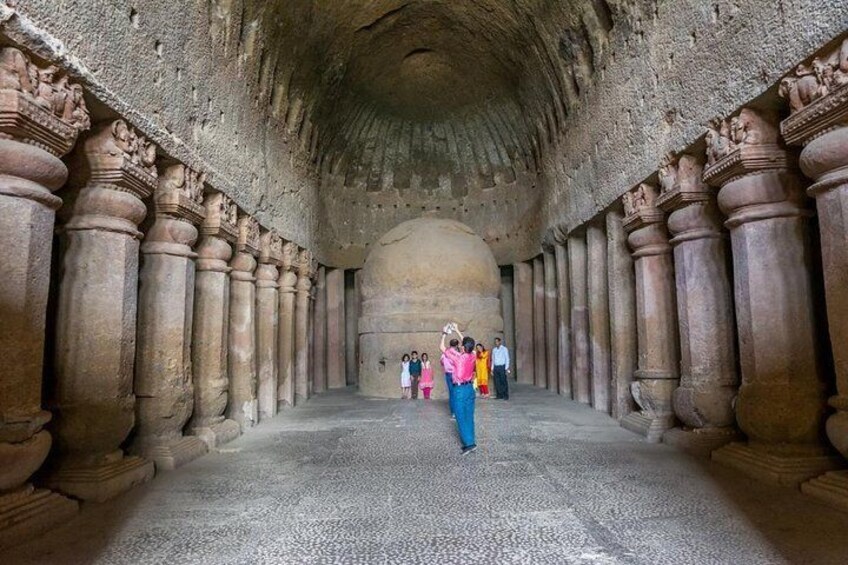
x=426 y=376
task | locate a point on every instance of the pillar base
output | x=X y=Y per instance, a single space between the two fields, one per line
x=29 y=512
x=173 y=454
x=831 y=488
x=217 y=434
x=781 y=470
x=103 y=482
x=701 y=441
x=651 y=427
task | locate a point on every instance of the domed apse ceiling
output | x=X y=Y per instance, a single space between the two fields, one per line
x=424 y=107
x=396 y=88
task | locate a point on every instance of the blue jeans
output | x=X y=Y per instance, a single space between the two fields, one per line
x=464 y=405
x=449 y=383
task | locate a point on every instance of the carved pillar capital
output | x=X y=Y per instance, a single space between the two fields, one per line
x=688 y=200
x=113 y=170
x=178 y=202
x=645 y=222
x=39 y=105
x=247 y=247
x=219 y=231
x=270 y=256
x=754 y=171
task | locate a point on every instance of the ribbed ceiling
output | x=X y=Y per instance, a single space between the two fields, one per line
x=381 y=90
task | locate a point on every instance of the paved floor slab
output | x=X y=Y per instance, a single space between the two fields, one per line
x=346 y=479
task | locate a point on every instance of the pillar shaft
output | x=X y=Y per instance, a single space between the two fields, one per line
x=540 y=355
x=821 y=128
x=302 y=338
x=164 y=384
x=523 y=293
x=288 y=280
x=508 y=307
x=563 y=321
x=335 y=290
x=599 y=316
x=708 y=381
x=580 y=388
x=551 y=322
x=351 y=304
x=319 y=333
x=622 y=305
x=267 y=324
x=656 y=316
x=34 y=138
x=780 y=405
x=241 y=340
x=209 y=350
x=96 y=319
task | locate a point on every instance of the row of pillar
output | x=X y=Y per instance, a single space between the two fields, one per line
x=172 y=331
x=695 y=316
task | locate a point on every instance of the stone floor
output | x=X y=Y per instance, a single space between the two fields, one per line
x=346 y=479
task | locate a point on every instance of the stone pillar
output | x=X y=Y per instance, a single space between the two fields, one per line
x=241 y=339
x=621 y=285
x=523 y=293
x=335 y=291
x=599 y=316
x=164 y=385
x=34 y=138
x=209 y=349
x=310 y=330
x=508 y=308
x=704 y=400
x=319 y=332
x=267 y=323
x=551 y=321
x=285 y=349
x=781 y=402
x=351 y=304
x=579 y=319
x=563 y=320
x=301 y=335
x=96 y=314
x=656 y=318
x=540 y=355
x=820 y=125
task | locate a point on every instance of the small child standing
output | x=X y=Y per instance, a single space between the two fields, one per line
x=405 y=377
x=426 y=376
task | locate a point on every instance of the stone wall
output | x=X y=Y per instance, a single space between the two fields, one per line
x=672 y=67
x=192 y=79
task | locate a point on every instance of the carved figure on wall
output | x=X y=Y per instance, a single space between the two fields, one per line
x=232 y=212
x=45 y=95
x=627 y=201
x=16 y=72
x=750 y=128
x=668 y=173
x=719 y=141
x=75 y=111
x=289 y=255
x=304 y=263
x=810 y=83
x=48 y=87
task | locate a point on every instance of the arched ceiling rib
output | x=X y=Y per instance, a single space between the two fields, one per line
x=380 y=90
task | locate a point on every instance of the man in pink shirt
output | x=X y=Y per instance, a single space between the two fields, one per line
x=448 y=366
x=463 y=362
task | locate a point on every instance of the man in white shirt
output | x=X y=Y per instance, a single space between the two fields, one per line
x=500 y=369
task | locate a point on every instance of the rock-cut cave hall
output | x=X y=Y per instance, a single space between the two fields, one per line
x=223 y=223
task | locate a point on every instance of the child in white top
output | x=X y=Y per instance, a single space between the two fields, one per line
x=405 y=377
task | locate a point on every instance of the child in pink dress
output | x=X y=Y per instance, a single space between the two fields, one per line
x=426 y=376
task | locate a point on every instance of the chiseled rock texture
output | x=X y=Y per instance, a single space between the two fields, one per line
x=334 y=122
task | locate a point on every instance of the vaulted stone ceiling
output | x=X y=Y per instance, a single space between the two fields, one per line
x=384 y=90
